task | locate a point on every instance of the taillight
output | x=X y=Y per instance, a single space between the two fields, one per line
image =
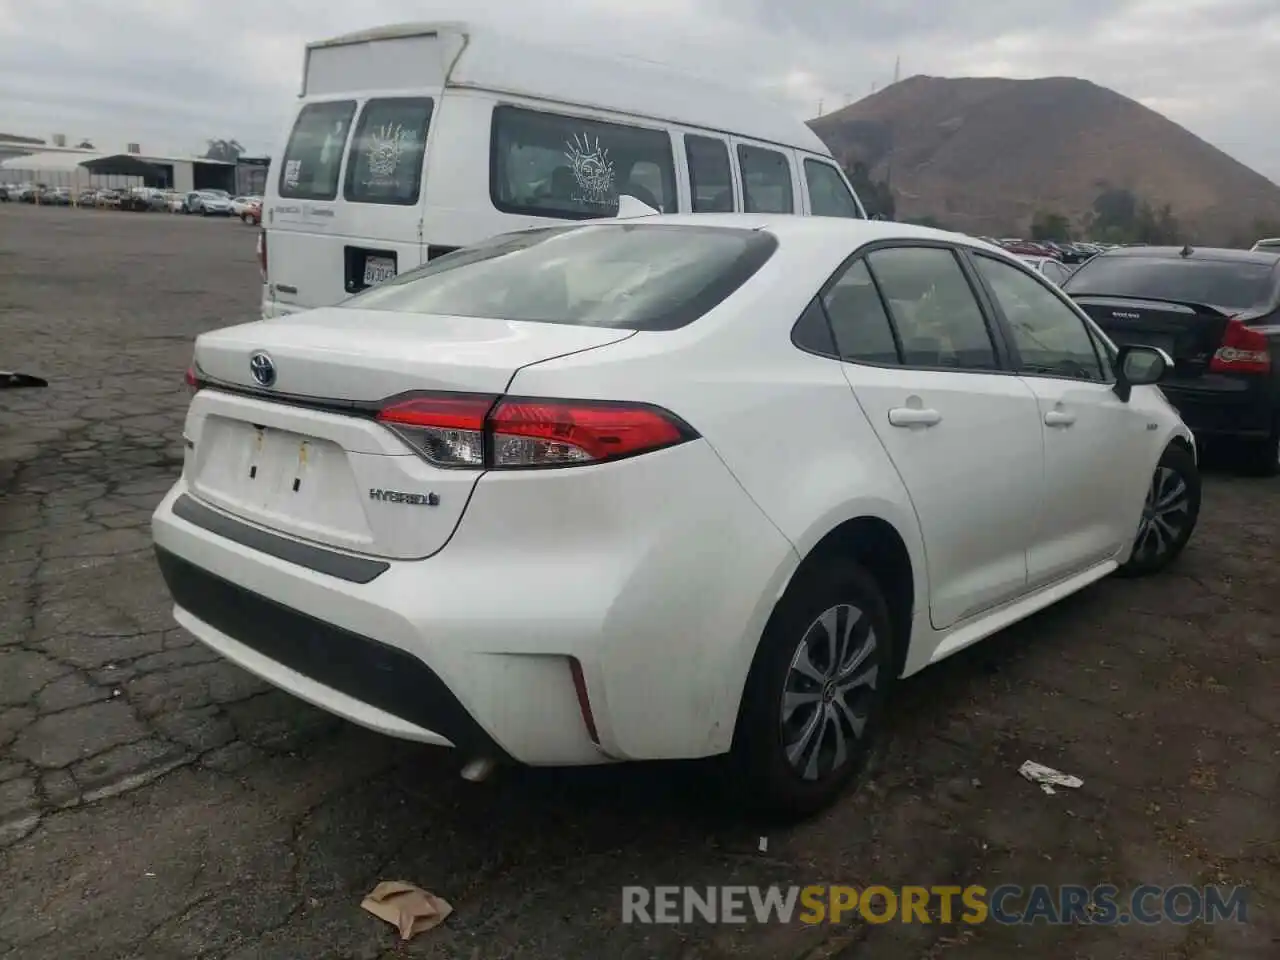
x=1243 y=350
x=481 y=431
x=193 y=379
x=262 y=253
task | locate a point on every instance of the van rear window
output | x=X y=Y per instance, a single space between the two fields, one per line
x=387 y=151
x=314 y=154
x=571 y=168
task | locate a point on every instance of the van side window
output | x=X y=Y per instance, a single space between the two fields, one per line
x=766 y=181
x=572 y=168
x=710 y=176
x=385 y=165
x=314 y=154
x=828 y=194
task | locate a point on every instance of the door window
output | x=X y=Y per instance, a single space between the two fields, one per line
x=710 y=176
x=766 y=181
x=934 y=310
x=1051 y=339
x=313 y=156
x=829 y=196
x=387 y=151
x=573 y=168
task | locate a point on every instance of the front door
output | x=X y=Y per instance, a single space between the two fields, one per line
x=1096 y=453
x=963 y=434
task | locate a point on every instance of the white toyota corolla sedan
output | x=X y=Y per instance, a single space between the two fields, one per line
x=673 y=487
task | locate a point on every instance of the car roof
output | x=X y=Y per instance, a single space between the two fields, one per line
x=1263 y=257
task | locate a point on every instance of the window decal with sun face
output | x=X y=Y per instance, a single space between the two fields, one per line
x=592 y=169
x=382 y=155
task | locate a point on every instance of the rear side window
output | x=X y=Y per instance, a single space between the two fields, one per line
x=828 y=194
x=766 y=181
x=625 y=275
x=710 y=176
x=859 y=322
x=1229 y=284
x=550 y=165
x=314 y=154
x=385 y=165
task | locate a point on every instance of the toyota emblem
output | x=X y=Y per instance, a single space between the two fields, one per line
x=263 y=369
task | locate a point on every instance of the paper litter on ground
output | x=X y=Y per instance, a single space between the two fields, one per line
x=409 y=909
x=1048 y=778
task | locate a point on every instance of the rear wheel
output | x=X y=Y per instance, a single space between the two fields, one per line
x=1169 y=513
x=815 y=696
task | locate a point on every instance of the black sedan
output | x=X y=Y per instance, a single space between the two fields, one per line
x=1216 y=312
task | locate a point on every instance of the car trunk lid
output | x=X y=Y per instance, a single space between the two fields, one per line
x=1188 y=332
x=296 y=448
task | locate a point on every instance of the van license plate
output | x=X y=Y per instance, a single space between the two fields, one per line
x=377 y=269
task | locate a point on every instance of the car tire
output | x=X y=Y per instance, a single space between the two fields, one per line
x=795 y=685
x=1264 y=455
x=1169 y=513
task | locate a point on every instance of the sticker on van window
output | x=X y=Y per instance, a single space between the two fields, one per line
x=382 y=155
x=592 y=169
x=292 y=173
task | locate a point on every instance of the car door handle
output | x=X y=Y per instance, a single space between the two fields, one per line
x=1059 y=418
x=914 y=417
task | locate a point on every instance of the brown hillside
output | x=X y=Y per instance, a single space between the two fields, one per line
x=984 y=154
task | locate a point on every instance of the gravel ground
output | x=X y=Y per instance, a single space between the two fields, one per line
x=156 y=802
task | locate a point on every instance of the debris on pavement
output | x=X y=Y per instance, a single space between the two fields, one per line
x=1048 y=778
x=763 y=846
x=409 y=909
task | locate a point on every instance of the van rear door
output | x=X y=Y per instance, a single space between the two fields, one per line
x=344 y=204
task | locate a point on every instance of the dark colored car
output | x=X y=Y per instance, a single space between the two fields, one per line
x=1216 y=312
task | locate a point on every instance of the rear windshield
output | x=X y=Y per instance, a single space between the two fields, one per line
x=314 y=154
x=630 y=276
x=1230 y=284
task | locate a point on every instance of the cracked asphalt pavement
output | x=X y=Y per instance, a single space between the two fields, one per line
x=158 y=803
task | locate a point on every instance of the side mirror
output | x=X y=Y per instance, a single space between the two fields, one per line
x=1138 y=366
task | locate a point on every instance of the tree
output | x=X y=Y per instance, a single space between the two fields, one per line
x=86 y=145
x=1115 y=208
x=227 y=150
x=1047 y=225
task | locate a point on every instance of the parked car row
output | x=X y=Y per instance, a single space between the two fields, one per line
x=206 y=202
x=1069 y=252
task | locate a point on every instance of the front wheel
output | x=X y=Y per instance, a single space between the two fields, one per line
x=1169 y=514
x=815 y=695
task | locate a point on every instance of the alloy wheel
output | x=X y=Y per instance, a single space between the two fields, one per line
x=827 y=692
x=1165 y=514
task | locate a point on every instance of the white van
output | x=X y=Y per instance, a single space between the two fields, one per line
x=411 y=141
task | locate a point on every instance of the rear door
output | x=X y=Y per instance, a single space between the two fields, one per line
x=347 y=208
x=962 y=432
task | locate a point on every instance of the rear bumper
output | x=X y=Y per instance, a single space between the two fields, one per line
x=1242 y=410
x=272 y=309
x=656 y=579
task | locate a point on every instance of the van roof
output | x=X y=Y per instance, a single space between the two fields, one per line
x=497 y=62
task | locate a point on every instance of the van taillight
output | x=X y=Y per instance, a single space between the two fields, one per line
x=483 y=431
x=1243 y=350
x=262 y=253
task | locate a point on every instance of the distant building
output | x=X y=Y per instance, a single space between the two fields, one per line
x=72 y=167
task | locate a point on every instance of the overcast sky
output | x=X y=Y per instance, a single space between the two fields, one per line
x=171 y=73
